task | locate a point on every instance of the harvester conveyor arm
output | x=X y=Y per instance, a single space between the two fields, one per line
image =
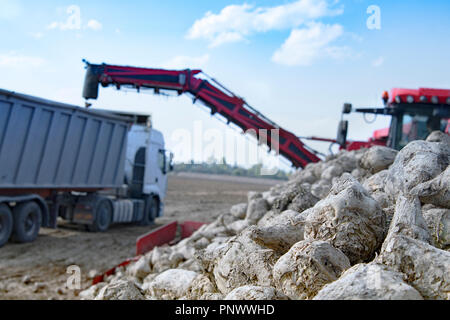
x=230 y=106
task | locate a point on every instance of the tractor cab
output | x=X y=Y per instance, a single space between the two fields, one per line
x=414 y=115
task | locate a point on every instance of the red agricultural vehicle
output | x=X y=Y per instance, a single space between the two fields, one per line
x=415 y=113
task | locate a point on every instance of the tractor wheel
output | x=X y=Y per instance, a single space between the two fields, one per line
x=27 y=218
x=151 y=211
x=103 y=216
x=6 y=224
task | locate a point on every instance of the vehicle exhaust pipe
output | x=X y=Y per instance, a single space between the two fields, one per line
x=90 y=88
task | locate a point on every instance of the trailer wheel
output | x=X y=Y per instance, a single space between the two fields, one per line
x=151 y=211
x=103 y=216
x=6 y=224
x=27 y=218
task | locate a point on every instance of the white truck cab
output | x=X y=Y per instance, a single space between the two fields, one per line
x=147 y=164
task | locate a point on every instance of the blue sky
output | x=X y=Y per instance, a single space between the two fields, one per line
x=295 y=61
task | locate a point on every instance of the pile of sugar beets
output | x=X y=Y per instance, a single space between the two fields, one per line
x=366 y=224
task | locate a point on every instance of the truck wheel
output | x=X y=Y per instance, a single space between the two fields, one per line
x=6 y=224
x=151 y=211
x=103 y=216
x=27 y=218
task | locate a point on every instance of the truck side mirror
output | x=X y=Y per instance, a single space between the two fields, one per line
x=342 y=133
x=169 y=160
x=347 y=108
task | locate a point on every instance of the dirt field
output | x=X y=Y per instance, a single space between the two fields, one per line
x=38 y=270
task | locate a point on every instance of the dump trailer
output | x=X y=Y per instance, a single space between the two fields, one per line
x=91 y=167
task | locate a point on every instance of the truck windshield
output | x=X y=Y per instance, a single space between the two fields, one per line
x=418 y=127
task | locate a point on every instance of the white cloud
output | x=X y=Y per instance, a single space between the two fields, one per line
x=304 y=46
x=73 y=21
x=14 y=60
x=226 y=37
x=378 y=62
x=338 y=53
x=63 y=26
x=185 y=62
x=37 y=35
x=94 y=25
x=53 y=25
x=235 y=22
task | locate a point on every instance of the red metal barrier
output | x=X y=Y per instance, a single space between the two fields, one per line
x=100 y=278
x=158 y=237
x=189 y=227
x=154 y=238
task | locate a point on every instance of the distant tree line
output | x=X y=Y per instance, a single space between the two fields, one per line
x=215 y=167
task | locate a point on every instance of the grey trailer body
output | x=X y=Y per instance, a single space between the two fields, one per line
x=49 y=145
x=92 y=167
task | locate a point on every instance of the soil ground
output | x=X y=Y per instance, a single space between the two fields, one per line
x=38 y=270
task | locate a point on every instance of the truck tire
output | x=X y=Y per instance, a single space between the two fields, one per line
x=151 y=211
x=6 y=224
x=27 y=217
x=102 y=216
